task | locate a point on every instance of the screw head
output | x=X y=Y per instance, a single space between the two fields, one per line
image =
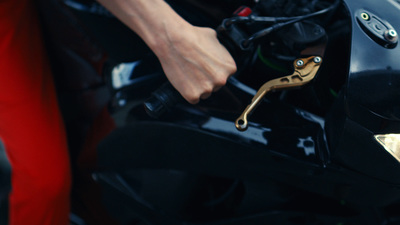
x=299 y=62
x=391 y=35
x=317 y=59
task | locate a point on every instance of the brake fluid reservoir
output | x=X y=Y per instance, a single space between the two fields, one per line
x=377 y=28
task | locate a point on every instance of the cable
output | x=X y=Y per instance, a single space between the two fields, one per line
x=280 y=22
x=266 y=19
x=293 y=20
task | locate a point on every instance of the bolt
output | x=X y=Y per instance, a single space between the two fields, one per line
x=317 y=59
x=391 y=35
x=299 y=62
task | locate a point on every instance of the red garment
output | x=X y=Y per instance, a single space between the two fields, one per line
x=30 y=123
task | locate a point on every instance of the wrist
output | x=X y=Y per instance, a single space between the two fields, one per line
x=170 y=36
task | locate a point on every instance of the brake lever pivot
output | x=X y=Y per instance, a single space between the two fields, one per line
x=305 y=70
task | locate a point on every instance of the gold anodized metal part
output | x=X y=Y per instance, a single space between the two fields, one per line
x=305 y=70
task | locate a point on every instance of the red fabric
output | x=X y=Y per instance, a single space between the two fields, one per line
x=30 y=123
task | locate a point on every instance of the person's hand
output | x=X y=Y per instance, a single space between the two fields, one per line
x=195 y=62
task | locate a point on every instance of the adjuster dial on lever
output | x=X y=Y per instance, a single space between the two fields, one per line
x=305 y=70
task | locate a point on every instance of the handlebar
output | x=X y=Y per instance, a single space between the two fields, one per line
x=239 y=44
x=162 y=100
x=166 y=97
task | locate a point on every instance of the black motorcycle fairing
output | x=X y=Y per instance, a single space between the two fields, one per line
x=340 y=172
x=368 y=103
x=373 y=68
x=291 y=128
x=286 y=144
x=187 y=143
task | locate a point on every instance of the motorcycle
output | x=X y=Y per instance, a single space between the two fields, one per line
x=306 y=132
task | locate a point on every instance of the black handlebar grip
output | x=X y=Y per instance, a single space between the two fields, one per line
x=162 y=100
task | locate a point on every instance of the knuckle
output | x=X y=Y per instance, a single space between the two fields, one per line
x=192 y=97
x=205 y=96
x=220 y=79
x=221 y=82
x=232 y=68
x=207 y=89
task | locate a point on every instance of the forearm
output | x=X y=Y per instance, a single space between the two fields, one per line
x=193 y=60
x=153 y=20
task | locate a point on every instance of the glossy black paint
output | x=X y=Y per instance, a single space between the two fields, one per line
x=369 y=102
x=289 y=155
x=373 y=80
x=333 y=156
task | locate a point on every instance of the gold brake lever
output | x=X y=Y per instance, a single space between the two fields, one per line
x=305 y=70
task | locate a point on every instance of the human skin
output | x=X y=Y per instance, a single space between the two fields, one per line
x=192 y=58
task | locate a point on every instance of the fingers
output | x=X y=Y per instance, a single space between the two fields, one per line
x=207 y=92
x=211 y=82
x=197 y=64
x=197 y=92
